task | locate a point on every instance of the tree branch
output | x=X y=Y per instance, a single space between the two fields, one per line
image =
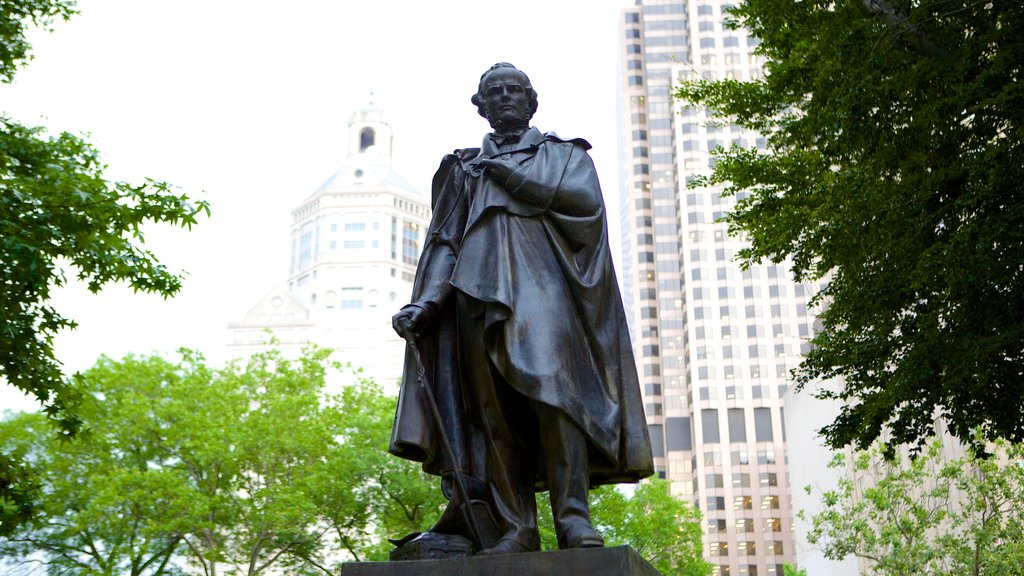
x=904 y=28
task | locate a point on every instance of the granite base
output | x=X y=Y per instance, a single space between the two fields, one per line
x=617 y=561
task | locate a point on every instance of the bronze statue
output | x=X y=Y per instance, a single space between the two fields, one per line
x=517 y=329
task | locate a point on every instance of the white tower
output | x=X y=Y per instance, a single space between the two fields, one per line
x=355 y=243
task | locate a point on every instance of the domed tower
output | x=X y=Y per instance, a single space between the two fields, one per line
x=369 y=134
x=355 y=243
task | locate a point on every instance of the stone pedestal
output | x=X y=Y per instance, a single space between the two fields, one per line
x=618 y=561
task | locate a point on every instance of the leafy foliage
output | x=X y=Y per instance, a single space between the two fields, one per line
x=18 y=492
x=927 y=515
x=15 y=17
x=242 y=468
x=57 y=211
x=894 y=172
x=663 y=529
x=790 y=570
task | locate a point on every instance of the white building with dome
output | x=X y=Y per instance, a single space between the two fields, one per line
x=355 y=243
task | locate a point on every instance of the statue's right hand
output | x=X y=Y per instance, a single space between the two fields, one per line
x=410 y=320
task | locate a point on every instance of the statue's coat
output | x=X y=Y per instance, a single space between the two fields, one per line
x=537 y=265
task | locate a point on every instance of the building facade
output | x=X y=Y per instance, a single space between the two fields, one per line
x=714 y=342
x=355 y=243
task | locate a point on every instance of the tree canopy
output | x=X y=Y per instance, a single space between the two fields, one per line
x=665 y=530
x=929 y=515
x=60 y=215
x=893 y=172
x=239 y=469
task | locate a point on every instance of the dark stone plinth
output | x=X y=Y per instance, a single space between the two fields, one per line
x=618 y=561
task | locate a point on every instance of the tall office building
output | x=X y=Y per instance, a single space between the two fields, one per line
x=355 y=242
x=714 y=343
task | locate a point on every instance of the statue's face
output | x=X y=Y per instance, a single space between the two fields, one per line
x=506 y=99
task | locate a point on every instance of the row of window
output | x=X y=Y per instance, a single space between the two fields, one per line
x=746 y=548
x=739 y=480
x=739 y=392
x=737 y=428
x=748 y=570
x=769 y=502
x=737 y=458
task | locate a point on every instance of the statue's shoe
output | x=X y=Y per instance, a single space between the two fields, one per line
x=582 y=538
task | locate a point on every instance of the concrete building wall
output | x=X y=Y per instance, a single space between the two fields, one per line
x=714 y=343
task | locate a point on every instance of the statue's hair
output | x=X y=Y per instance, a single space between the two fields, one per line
x=478 y=98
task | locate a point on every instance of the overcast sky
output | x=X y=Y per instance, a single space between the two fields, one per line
x=245 y=104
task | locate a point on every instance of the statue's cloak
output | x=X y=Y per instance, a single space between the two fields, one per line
x=534 y=261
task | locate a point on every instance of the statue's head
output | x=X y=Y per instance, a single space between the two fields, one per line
x=505 y=97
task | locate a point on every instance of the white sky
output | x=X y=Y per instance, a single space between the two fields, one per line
x=245 y=103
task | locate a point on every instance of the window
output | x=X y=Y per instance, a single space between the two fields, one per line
x=366 y=139
x=737 y=425
x=746 y=549
x=740 y=457
x=715 y=503
x=709 y=421
x=763 y=425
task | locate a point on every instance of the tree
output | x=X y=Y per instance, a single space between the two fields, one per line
x=665 y=530
x=241 y=468
x=790 y=570
x=894 y=171
x=927 y=515
x=58 y=212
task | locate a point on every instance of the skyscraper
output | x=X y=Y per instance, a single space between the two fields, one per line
x=714 y=343
x=355 y=242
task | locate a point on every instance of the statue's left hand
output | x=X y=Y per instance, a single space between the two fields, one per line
x=411 y=319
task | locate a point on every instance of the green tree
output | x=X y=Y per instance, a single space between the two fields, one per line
x=232 y=470
x=927 y=515
x=790 y=570
x=893 y=170
x=665 y=530
x=58 y=213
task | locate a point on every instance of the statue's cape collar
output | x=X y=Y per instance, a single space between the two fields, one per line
x=530 y=139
